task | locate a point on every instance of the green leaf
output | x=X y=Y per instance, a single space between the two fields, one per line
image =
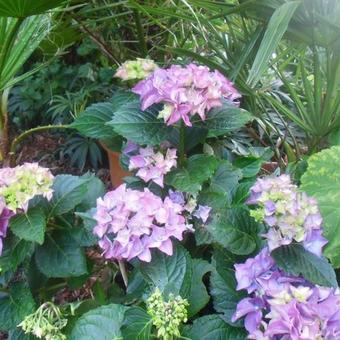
x=92 y=122
x=30 y=226
x=235 y=230
x=212 y=327
x=296 y=260
x=137 y=324
x=15 y=305
x=14 y=253
x=250 y=166
x=223 y=291
x=171 y=274
x=277 y=26
x=25 y=8
x=18 y=334
x=85 y=234
x=322 y=180
x=60 y=256
x=68 y=192
x=198 y=296
x=225 y=119
x=142 y=127
x=199 y=169
x=102 y=323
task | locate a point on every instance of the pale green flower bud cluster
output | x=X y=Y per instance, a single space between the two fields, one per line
x=136 y=69
x=167 y=316
x=20 y=184
x=45 y=323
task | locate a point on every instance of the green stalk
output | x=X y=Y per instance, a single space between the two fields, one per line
x=140 y=33
x=181 y=148
x=25 y=134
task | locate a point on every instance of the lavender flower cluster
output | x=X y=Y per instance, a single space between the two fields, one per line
x=151 y=165
x=291 y=215
x=285 y=307
x=185 y=91
x=17 y=187
x=130 y=223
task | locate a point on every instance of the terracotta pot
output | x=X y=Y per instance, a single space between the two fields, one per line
x=116 y=172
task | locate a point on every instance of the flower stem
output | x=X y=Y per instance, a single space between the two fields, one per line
x=123 y=272
x=181 y=147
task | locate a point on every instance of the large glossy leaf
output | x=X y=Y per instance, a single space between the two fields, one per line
x=15 y=305
x=198 y=169
x=30 y=225
x=235 y=230
x=60 y=256
x=25 y=8
x=142 y=127
x=212 y=327
x=68 y=192
x=277 y=26
x=137 y=324
x=225 y=119
x=295 y=260
x=322 y=180
x=171 y=274
x=92 y=122
x=102 y=323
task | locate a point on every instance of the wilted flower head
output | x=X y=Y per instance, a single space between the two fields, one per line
x=46 y=322
x=151 y=165
x=282 y=306
x=290 y=214
x=185 y=91
x=136 y=69
x=167 y=316
x=131 y=222
x=20 y=184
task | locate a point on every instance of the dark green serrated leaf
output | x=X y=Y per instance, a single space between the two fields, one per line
x=102 y=323
x=235 y=230
x=250 y=166
x=198 y=296
x=171 y=274
x=225 y=119
x=296 y=260
x=137 y=324
x=142 y=127
x=212 y=327
x=30 y=225
x=198 y=169
x=60 y=256
x=15 y=305
x=68 y=192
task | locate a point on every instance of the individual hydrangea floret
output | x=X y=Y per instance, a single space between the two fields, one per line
x=151 y=165
x=202 y=213
x=185 y=91
x=285 y=307
x=291 y=215
x=167 y=316
x=130 y=223
x=46 y=322
x=136 y=69
x=20 y=184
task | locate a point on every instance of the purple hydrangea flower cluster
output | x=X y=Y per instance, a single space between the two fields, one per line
x=17 y=187
x=283 y=307
x=185 y=91
x=290 y=214
x=130 y=223
x=151 y=165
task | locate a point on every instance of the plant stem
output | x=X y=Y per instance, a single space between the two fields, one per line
x=181 y=148
x=25 y=134
x=123 y=272
x=4 y=141
x=140 y=33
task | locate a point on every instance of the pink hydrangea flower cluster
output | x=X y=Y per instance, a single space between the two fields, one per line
x=151 y=165
x=130 y=223
x=185 y=92
x=291 y=215
x=17 y=187
x=282 y=306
